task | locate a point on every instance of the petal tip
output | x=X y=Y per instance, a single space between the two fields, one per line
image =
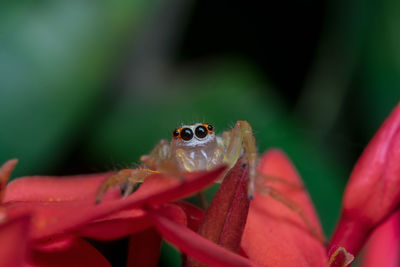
x=8 y=166
x=341 y=258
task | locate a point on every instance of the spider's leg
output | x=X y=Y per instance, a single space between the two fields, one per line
x=159 y=153
x=132 y=176
x=242 y=135
x=216 y=157
x=160 y=159
x=226 y=138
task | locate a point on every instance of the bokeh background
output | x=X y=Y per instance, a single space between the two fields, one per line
x=88 y=86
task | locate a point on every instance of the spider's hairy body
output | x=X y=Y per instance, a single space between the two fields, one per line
x=193 y=148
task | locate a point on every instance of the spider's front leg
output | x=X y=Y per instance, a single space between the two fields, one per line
x=132 y=176
x=158 y=155
x=242 y=134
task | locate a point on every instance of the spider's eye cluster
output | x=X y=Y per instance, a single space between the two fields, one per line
x=186 y=134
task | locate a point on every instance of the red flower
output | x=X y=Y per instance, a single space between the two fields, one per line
x=43 y=220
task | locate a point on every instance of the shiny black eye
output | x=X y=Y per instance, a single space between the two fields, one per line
x=175 y=133
x=210 y=127
x=201 y=131
x=186 y=134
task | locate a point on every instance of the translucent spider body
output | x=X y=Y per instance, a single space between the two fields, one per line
x=193 y=148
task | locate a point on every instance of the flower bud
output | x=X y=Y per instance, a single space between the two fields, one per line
x=373 y=191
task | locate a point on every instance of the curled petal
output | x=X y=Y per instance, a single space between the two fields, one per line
x=280 y=231
x=226 y=216
x=373 y=191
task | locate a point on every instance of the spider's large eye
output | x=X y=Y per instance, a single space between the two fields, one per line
x=201 y=131
x=186 y=134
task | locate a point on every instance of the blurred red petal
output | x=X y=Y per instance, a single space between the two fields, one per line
x=5 y=172
x=144 y=249
x=372 y=167
x=276 y=235
x=56 y=218
x=195 y=245
x=194 y=214
x=57 y=188
x=75 y=252
x=373 y=191
x=14 y=235
x=384 y=244
x=118 y=225
x=54 y=244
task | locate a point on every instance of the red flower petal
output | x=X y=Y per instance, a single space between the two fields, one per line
x=50 y=188
x=276 y=235
x=373 y=191
x=57 y=218
x=195 y=245
x=144 y=249
x=14 y=234
x=54 y=244
x=118 y=225
x=235 y=219
x=194 y=214
x=76 y=252
x=384 y=244
x=226 y=216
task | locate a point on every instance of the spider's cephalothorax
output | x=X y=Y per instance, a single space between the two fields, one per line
x=192 y=148
x=197 y=142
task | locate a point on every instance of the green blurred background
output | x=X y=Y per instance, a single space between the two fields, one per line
x=88 y=86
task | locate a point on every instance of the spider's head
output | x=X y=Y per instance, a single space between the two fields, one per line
x=199 y=134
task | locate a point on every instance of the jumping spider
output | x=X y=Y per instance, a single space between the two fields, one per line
x=196 y=147
x=193 y=147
